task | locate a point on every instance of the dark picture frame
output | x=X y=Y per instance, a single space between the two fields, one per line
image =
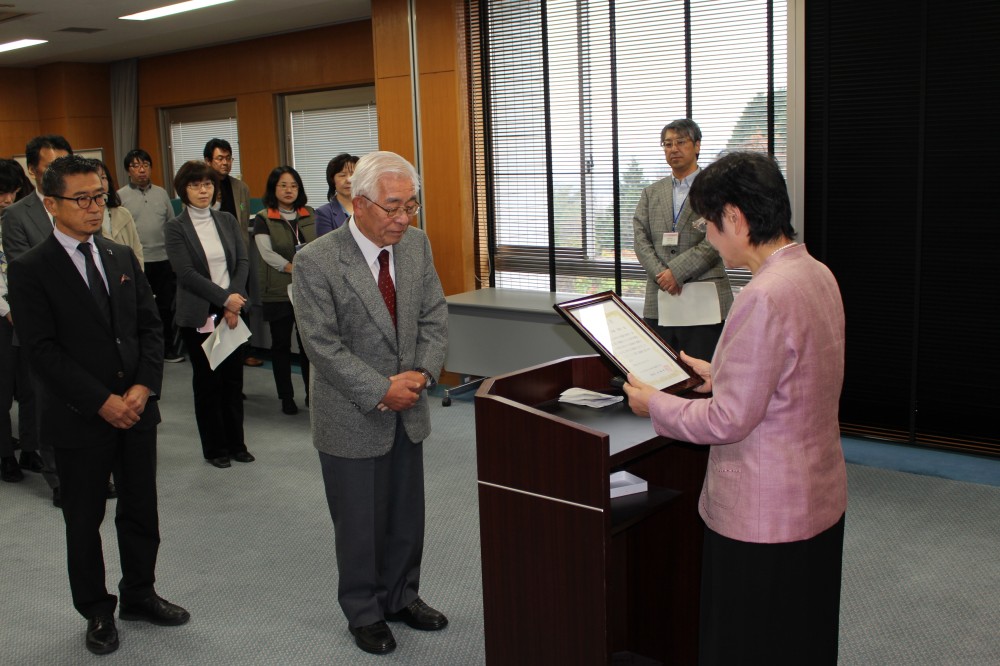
x=627 y=342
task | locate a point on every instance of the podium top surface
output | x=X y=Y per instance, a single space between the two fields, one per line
x=624 y=429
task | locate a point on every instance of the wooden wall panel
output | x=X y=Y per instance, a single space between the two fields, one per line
x=71 y=99
x=257 y=147
x=447 y=221
x=395 y=115
x=437 y=40
x=446 y=183
x=390 y=32
x=254 y=73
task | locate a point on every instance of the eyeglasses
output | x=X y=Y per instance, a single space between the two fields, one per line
x=222 y=158
x=140 y=166
x=670 y=143
x=204 y=185
x=84 y=202
x=409 y=209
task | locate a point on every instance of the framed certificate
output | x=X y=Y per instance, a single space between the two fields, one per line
x=627 y=342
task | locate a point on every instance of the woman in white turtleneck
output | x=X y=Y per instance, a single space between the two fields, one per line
x=206 y=251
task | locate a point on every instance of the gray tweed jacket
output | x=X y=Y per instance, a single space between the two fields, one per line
x=352 y=346
x=693 y=259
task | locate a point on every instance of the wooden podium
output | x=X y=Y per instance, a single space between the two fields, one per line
x=571 y=576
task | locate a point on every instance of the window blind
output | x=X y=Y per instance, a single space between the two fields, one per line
x=568 y=98
x=318 y=135
x=188 y=139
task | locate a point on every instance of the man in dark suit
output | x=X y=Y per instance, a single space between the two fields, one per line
x=372 y=313
x=25 y=225
x=671 y=249
x=91 y=332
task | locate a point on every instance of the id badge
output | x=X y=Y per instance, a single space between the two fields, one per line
x=671 y=238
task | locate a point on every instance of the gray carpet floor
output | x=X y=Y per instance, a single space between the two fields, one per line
x=249 y=551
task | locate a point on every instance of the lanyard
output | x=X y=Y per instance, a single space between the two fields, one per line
x=678 y=215
x=295 y=229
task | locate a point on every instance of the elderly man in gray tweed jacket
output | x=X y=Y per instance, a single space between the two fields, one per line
x=374 y=324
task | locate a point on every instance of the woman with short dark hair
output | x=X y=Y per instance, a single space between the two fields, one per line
x=339 y=208
x=280 y=230
x=206 y=251
x=775 y=491
x=118 y=225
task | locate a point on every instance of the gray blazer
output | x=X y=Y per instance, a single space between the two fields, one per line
x=196 y=292
x=693 y=259
x=352 y=346
x=25 y=225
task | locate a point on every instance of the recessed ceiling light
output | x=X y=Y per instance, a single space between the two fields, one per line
x=20 y=44
x=169 y=10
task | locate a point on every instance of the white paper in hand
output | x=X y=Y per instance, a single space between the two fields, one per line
x=696 y=305
x=224 y=341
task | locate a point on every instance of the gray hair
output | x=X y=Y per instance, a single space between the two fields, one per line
x=373 y=166
x=684 y=127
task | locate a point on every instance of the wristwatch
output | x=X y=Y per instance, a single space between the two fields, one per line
x=431 y=382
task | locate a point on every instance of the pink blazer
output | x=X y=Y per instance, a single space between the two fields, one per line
x=776 y=470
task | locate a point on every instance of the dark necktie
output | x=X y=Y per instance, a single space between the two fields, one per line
x=385 y=284
x=97 y=288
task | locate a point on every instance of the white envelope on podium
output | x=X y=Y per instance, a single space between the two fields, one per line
x=696 y=305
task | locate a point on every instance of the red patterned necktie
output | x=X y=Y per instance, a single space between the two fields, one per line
x=385 y=284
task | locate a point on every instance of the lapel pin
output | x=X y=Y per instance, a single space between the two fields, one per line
x=125 y=279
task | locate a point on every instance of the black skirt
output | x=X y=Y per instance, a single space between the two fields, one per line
x=771 y=604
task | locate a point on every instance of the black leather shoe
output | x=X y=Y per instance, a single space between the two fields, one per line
x=31 y=461
x=112 y=491
x=419 y=616
x=102 y=635
x=221 y=462
x=155 y=611
x=10 y=470
x=375 y=638
x=56 y=498
x=288 y=406
x=243 y=456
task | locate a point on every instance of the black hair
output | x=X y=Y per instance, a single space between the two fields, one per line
x=684 y=127
x=270 y=199
x=136 y=154
x=212 y=144
x=33 y=150
x=13 y=179
x=194 y=171
x=113 y=199
x=751 y=182
x=335 y=166
x=54 y=180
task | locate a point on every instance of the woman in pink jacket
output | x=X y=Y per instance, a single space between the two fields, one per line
x=775 y=490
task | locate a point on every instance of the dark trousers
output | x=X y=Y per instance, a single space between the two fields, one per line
x=84 y=474
x=163 y=282
x=218 y=398
x=281 y=356
x=377 y=506
x=696 y=341
x=6 y=386
x=765 y=603
x=27 y=391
